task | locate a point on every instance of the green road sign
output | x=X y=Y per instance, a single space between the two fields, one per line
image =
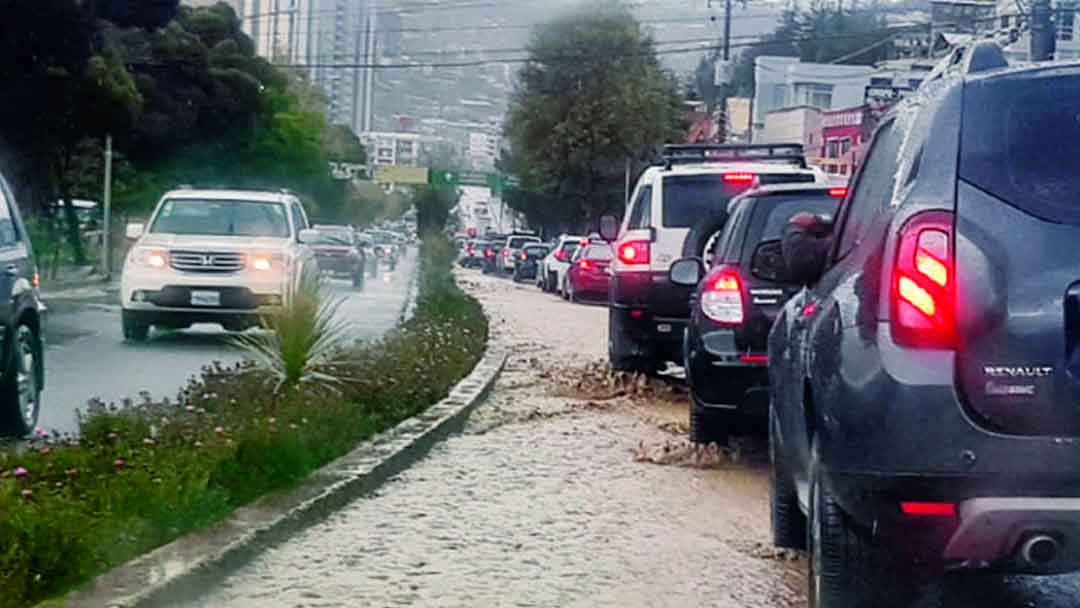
x=512 y=181
x=444 y=178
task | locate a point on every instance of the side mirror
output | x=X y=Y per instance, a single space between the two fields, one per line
x=308 y=235
x=686 y=272
x=134 y=230
x=609 y=228
x=805 y=247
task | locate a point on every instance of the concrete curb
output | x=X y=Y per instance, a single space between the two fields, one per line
x=182 y=569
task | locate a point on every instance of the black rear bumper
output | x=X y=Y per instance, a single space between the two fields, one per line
x=652 y=313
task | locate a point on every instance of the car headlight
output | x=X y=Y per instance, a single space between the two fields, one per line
x=264 y=262
x=154 y=257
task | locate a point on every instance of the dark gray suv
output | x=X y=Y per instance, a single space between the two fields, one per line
x=925 y=401
x=22 y=323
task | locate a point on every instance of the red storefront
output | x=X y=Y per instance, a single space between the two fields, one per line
x=841 y=135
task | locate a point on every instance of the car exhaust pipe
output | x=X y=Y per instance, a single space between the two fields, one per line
x=1040 y=550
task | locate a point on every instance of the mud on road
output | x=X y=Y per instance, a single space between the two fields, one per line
x=570 y=487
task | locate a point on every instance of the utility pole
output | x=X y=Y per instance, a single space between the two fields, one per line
x=1042 y=31
x=727 y=33
x=106 y=258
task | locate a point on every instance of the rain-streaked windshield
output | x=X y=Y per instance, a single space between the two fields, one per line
x=222 y=218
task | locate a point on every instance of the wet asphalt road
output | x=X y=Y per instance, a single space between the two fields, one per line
x=539 y=503
x=87 y=357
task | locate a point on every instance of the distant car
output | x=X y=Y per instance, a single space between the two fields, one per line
x=735 y=303
x=22 y=316
x=338 y=253
x=511 y=248
x=386 y=248
x=229 y=257
x=588 y=277
x=557 y=261
x=526 y=262
x=473 y=254
x=490 y=263
x=364 y=242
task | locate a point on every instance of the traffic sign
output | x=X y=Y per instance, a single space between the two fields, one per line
x=444 y=178
x=398 y=174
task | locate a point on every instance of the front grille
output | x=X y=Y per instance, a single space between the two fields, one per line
x=206 y=261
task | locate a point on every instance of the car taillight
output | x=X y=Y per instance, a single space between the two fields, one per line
x=560 y=255
x=721 y=296
x=739 y=178
x=584 y=264
x=923 y=282
x=634 y=252
x=839 y=192
x=506 y=253
x=524 y=257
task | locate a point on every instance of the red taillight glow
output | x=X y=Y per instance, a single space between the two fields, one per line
x=560 y=255
x=584 y=264
x=506 y=253
x=634 y=252
x=928 y=509
x=721 y=296
x=923 y=295
x=738 y=178
x=489 y=253
x=524 y=256
x=754 y=358
x=838 y=192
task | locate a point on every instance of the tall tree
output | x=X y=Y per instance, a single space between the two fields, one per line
x=592 y=94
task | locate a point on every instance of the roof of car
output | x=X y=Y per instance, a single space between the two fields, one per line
x=712 y=168
x=270 y=196
x=796 y=187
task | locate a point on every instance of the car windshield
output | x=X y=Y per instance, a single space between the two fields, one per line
x=330 y=236
x=519 y=242
x=787 y=207
x=221 y=218
x=689 y=198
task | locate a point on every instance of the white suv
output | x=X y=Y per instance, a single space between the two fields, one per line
x=676 y=210
x=215 y=256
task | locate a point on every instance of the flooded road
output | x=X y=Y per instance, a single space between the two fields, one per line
x=570 y=487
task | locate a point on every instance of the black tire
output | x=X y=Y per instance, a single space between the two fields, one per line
x=788 y=521
x=699 y=235
x=549 y=281
x=845 y=568
x=135 y=330
x=709 y=425
x=622 y=355
x=20 y=386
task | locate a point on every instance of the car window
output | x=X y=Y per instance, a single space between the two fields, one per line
x=784 y=209
x=222 y=218
x=1021 y=143
x=641 y=215
x=8 y=234
x=299 y=220
x=570 y=247
x=519 y=242
x=598 y=252
x=874 y=189
x=332 y=236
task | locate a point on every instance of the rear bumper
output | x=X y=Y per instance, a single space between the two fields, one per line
x=995 y=520
x=729 y=383
x=650 y=336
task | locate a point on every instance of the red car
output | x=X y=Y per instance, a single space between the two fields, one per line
x=587 y=278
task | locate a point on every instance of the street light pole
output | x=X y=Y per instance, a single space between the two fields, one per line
x=106 y=258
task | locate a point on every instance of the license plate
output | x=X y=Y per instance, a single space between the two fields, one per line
x=664 y=328
x=205 y=298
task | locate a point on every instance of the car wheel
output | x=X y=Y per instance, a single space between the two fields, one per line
x=20 y=387
x=135 y=330
x=844 y=562
x=788 y=521
x=708 y=425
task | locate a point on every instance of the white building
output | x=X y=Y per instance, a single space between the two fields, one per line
x=797 y=125
x=1012 y=15
x=483 y=150
x=784 y=82
x=393 y=148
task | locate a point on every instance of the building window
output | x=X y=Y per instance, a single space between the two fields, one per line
x=845 y=147
x=1066 y=15
x=815 y=95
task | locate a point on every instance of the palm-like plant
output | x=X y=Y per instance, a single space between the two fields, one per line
x=307 y=341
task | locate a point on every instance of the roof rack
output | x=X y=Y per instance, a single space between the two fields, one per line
x=680 y=154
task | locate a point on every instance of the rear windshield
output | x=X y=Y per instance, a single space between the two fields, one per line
x=690 y=198
x=536 y=250
x=517 y=243
x=598 y=252
x=571 y=246
x=221 y=218
x=786 y=207
x=1021 y=142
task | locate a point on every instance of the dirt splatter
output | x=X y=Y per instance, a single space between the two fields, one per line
x=682 y=453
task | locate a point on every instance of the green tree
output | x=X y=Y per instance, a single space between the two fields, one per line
x=433 y=205
x=592 y=94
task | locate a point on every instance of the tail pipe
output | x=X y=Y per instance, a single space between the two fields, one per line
x=1040 y=550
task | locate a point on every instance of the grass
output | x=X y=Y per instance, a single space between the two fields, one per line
x=142 y=474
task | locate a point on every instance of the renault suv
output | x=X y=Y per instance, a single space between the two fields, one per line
x=215 y=256
x=676 y=209
x=739 y=288
x=926 y=383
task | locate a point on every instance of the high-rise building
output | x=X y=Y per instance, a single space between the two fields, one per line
x=340 y=49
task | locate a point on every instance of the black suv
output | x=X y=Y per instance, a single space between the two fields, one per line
x=735 y=303
x=22 y=317
x=926 y=383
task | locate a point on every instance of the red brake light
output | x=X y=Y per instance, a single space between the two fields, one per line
x=524 y=256
x=584 y=264
x=506 y=253
x=739 y=178
x=721 y=296
x=840 y=192
x=634 y=252
x=754 y=358
x=560 y=255
x=923 y=296
x=928 y=509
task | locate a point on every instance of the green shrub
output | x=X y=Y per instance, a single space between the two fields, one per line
x=142 y=474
